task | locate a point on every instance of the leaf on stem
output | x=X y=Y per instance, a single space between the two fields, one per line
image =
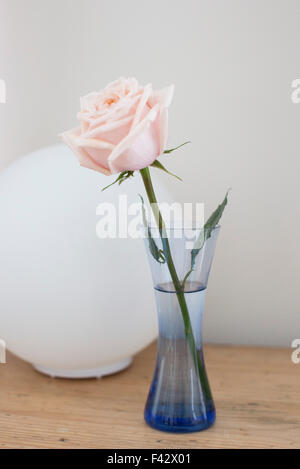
x=205 y=234
x=121 y=178
x=156 y=253
x=167 y=152
x=157 y=164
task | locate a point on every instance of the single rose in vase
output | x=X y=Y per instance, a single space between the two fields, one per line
x=124 y=129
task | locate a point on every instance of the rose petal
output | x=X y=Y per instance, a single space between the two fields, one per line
x=162 y=128
x=163 y=97
x=69 y=138
x=122 y=110
x=93 y=143
x=97 y=160
x=84 y=158
x=112 y=132
x=146 y=156
x=141 y=105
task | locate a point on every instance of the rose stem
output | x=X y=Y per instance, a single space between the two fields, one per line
x=145 y=173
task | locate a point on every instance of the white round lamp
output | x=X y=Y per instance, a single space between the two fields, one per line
x=71 y=304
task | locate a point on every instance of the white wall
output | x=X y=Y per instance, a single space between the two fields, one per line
x=233 y=63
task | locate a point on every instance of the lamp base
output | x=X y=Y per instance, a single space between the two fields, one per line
x=86 y=373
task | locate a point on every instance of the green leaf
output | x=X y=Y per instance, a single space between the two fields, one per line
x=216 y=215
x=121 y=178
x=157 y=164
x=176 y=148
x=156 y=253
x=205 y=234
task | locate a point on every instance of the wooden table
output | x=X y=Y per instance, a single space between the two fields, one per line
x=256 y=390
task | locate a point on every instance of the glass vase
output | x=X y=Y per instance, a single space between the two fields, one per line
x=180 y=398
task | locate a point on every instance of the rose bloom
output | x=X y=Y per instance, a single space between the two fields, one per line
x=122 y=128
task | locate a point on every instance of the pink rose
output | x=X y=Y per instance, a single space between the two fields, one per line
x=122 y=128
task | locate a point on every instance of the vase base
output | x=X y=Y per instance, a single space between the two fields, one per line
x=85 y=373
x=162 y=424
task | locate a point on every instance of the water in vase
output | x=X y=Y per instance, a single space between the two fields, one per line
x=179 y=399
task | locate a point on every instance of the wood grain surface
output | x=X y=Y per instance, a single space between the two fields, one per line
x=256 y=391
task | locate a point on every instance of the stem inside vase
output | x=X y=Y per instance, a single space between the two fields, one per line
x=178 y=286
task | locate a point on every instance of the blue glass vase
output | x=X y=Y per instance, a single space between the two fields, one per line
x=180 y=398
